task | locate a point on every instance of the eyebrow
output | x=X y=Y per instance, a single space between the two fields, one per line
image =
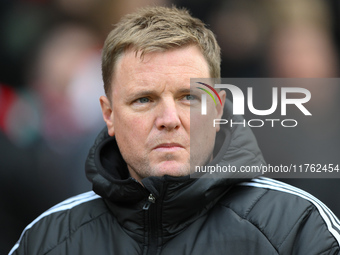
x=185 y=91
x=145 y=93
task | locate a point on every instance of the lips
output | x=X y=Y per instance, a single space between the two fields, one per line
x=168 y=147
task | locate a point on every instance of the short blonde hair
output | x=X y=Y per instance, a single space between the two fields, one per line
x=158 y=29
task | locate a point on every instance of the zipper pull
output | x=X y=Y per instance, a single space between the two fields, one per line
x=151 y=200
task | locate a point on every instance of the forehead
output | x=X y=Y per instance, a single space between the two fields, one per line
x=179 y=64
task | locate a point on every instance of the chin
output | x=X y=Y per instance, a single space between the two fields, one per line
x=172 y=168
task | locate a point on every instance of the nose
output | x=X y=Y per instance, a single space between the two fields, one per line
x=168 y=116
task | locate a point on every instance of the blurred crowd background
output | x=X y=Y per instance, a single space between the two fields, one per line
x=50 y=83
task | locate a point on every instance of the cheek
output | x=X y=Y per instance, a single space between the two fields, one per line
x=202 y=130
x=202 y=140
x=186 y=119
x=131 y=128
x=129 y=137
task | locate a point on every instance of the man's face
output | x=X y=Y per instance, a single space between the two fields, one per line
x=150 y=112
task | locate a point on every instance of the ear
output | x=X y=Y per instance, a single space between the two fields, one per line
x=219 y=108
x=107 y=114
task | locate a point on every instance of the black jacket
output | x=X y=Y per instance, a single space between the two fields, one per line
x=182 y=215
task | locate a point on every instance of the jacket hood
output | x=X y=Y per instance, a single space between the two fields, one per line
x=183 y=198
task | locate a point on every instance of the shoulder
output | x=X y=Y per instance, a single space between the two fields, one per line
x=58 y=223
x=288 y=216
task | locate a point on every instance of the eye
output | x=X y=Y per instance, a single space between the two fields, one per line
x=190 y=97
x=143 y=100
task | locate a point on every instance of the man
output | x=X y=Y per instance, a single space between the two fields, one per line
x=145 y=201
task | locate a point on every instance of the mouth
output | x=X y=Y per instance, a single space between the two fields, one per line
x=168 y=147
